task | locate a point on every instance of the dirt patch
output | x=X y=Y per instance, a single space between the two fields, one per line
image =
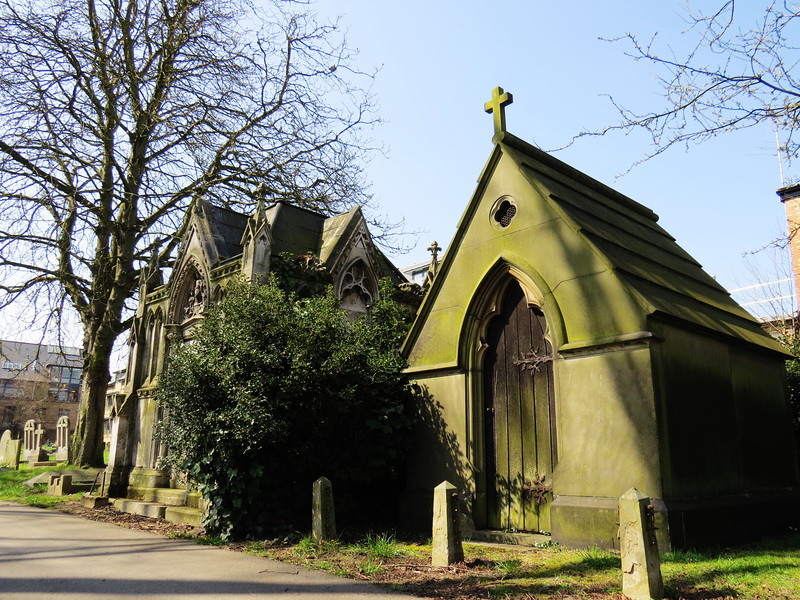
x=108 y=514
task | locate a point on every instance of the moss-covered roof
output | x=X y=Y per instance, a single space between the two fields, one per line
x=663 y=279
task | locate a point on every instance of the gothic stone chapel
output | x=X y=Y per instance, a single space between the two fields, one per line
x=220 y=245
x=568 y=350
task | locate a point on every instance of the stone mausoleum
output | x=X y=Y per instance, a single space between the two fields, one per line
x=569 y=349
x=221 y=245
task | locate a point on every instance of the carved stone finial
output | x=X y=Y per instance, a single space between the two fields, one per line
x=434 y=250
x=434 y=266
x=497 y=105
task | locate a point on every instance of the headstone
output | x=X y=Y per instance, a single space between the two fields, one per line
x=32 y=442
x=11 y=458
x=4 y=439
x=62 y=439
x=447 y=548
x=641 y=564
x=323 y=516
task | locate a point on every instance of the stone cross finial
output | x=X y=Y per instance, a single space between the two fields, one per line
x=434 y=249
x=497 y=105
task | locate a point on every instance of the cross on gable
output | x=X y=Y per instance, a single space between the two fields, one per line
x=434 y=249
x=497 y=105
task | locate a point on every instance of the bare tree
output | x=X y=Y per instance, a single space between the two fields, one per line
x=731 y=78
x=116 y=115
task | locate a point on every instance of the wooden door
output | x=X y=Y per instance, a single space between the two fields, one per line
x=520 y=418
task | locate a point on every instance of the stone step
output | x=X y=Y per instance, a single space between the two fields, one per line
x=139 y=507
x=168 y=496
x=194 y=500
x=505 y=537
x=184 y=515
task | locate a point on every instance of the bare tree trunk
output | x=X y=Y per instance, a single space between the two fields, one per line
x=88 y=437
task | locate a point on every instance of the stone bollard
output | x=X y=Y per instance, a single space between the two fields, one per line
x=447 y=548
x=323 y=516
x=641 y=564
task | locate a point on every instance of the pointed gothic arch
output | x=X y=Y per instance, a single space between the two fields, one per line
x=190 y=296
x=357 y=288
x=156 y=343
x=513 y=406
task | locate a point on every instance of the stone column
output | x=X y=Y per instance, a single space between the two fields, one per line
x=447 y=548
x=641 y=564
x=120 y=448
x=323 y=516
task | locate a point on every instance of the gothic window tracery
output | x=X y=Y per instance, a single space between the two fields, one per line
x=356 y=289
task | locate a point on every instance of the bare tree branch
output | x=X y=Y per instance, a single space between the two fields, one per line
x=732 y=78
x=115 y=115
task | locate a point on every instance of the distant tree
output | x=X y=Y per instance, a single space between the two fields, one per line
x=115 y=115
x=274 y=392
x=733 y=77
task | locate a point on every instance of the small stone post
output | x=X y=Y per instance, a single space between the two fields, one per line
x=641 y=564
x=447 y=548
x=323 y=515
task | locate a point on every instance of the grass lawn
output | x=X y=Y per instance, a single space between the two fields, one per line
x=768 y=570
x=13 y=490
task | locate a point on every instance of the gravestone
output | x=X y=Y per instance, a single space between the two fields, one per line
x=323 y=526
x=447 y=548
x=32 y=443
x=11 y=456
x=62 y=439
x=641 y=564
x=4 y=439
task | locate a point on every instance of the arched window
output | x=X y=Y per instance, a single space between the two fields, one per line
x=356 y=289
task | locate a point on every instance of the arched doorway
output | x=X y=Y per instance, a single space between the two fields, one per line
x=519 y=417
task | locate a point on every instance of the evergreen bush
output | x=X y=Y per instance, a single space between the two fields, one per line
x=276 y=391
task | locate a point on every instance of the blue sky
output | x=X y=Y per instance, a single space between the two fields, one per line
x=440 y=60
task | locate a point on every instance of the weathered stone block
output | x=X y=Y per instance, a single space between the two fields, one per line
x=323 y=515
x=447 y=548
x=641 y=564
x=95 y=501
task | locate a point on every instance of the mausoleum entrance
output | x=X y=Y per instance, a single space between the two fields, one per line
x=519 y=421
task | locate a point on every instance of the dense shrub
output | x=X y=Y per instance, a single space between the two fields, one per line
x=275 y=392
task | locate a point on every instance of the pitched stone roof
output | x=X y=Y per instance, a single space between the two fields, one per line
x=660 y=275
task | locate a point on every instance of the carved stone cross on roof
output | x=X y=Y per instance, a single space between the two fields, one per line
x=497 y=105
x=434 y=249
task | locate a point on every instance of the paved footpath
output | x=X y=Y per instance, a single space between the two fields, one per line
x=47 y=554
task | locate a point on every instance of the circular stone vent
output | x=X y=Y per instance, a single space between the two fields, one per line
x=505 y=213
